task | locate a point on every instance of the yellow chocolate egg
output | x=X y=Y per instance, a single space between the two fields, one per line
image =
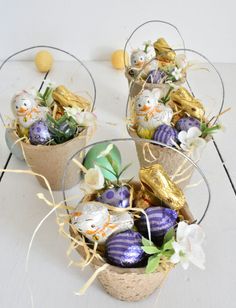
x=43 y=61
x=117 y=59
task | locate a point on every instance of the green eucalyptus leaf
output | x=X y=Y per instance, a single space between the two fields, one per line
x=153 y=263
x=150 y=250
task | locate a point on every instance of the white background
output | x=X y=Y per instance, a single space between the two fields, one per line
x=93 y=29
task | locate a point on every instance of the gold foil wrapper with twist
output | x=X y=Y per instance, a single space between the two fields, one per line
x=66 y=98
x=163 y=51
x=158 y=185
x=185 y=102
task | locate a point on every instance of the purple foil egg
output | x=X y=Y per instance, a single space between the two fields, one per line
x=155 y=76
x=166 y=134
x=124 y=249
x=161 y=219
x=116 y=196
x=39 y=133
x=186 y=123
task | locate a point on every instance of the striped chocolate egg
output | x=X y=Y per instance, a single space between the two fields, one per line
x=124 y=249
x=166 y=134
x=186 y=123
x=116 y=196
x=161 y=219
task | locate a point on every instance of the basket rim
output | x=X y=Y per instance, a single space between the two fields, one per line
x=43 y=146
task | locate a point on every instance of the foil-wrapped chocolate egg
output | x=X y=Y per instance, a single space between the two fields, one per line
x=155 y=76
x=124 y=249
x=39 y=133
x=161 y=219
x=186 y=123
x=116 y=196
x=166 y=134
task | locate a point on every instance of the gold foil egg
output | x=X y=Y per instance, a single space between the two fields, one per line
x=163 y=51
x=43 y=61
x=119 y=58
x=184 y=101
x=158 y=184
x=68 y=99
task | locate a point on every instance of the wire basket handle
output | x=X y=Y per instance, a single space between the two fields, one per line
x=63 y=51
x=136 y=79
x=148 y=22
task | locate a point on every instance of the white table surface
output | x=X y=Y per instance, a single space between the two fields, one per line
x=53 y=283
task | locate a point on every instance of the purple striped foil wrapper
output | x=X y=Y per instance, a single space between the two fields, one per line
x=186 y=123
x=166 y=134
x=161 y=219
x=124 y=249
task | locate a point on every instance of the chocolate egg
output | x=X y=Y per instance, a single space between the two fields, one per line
x=161 y=219
x=186 y=123
x=155 y=76
x=92 y=158
x=124 y=249
x=116 y=196
x=166 y=134
x=39 y=133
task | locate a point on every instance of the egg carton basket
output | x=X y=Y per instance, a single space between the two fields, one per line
x=149 y=27
x=50 y=160
x=151 y=153
x=133 y=284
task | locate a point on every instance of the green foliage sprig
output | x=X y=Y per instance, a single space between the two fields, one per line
x=158 y=253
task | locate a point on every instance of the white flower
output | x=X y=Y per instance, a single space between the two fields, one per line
x=177 y=73
x=106 y=151
x=191 y=142
x=187 y=246
x=72 y=112
x=86 y=119
x=181 y=61
x=93 y=180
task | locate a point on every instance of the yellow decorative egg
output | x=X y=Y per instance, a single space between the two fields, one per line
x=117 y=59
x=43 y=61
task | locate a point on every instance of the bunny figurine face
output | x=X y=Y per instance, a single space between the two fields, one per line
x=95 y=222
x=23 y=103
x=138 y=59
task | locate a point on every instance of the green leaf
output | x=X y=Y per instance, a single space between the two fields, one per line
x=105 y=168
x=153 y=263
x=169 y=235
x=168 y=253
x=113 y=164
x=124 y=169
x=150 y=250
x=168 y=245
x=146 y=242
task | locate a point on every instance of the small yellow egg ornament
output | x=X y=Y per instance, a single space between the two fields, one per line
x=43 y=61
x=117 y=59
